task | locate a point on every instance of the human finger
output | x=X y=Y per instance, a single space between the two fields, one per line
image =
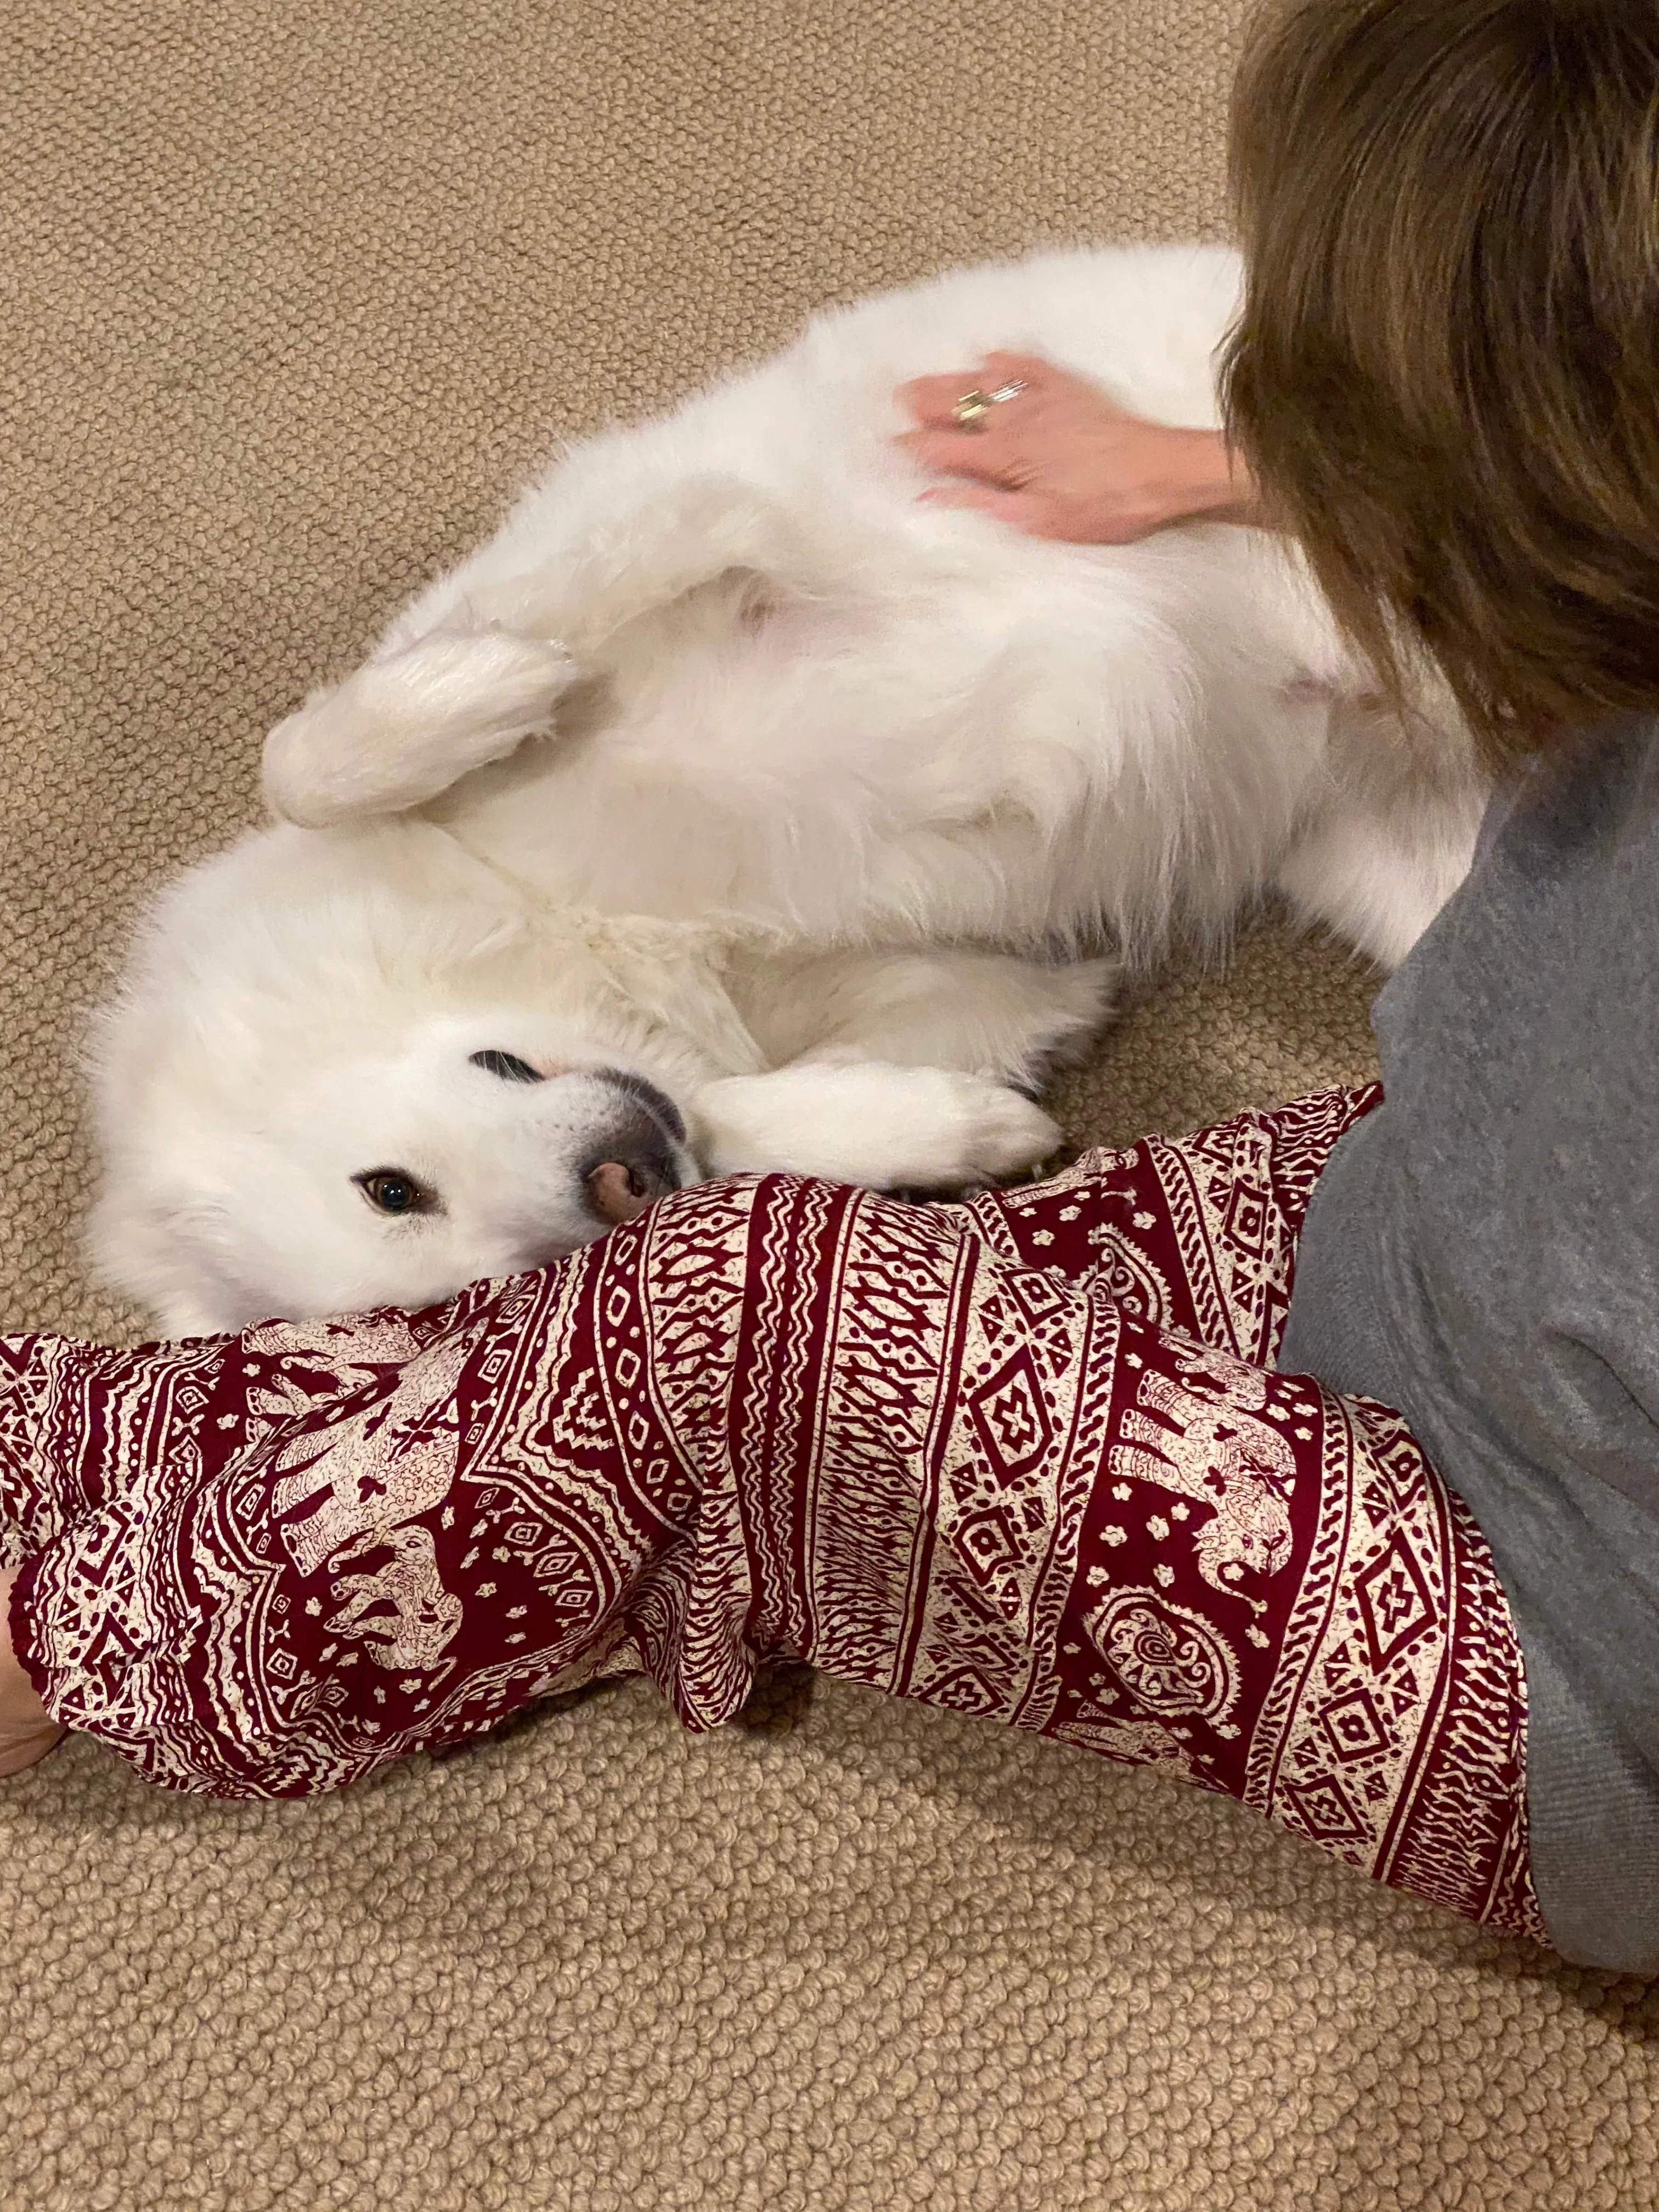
x=931 y=400
x=1021 y=509
x=949 y=454
x=1030 y=369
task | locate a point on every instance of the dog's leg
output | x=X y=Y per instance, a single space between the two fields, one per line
x=890 y=1127
x=1390 y=837
x=904 y=1069
x=608 y=552
x=983 y=1013
x=402 y=729
x=478 y=663
x=1376 y=883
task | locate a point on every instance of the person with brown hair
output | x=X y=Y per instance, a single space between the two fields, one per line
x=1313 y=1455
x=1443 y=383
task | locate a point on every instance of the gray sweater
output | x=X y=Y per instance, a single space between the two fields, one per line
x=1482 y=1253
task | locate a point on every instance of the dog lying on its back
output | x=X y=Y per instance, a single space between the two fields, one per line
x=732 y=809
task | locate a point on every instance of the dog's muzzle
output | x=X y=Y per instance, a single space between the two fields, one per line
x=632 y=1164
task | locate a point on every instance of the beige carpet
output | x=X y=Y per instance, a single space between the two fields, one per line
x=293 y=289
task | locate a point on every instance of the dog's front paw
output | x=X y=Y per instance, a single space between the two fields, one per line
x=1003 y=1131
x=905 y=1128
x=403 y=729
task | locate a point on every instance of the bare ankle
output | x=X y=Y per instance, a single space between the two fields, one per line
x=27 y=1731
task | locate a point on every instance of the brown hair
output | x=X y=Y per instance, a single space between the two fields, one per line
x=1445 y=376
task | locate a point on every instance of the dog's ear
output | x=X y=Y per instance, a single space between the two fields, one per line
x=154 y=1253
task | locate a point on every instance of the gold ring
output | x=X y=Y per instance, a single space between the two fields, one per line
x=969 y=413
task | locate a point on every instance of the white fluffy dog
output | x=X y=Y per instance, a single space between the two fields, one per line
x=730 y=809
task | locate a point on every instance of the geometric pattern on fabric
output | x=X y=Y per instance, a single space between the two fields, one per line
x=1026 y=1458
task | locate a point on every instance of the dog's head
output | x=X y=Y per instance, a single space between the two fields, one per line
x=318 y=1102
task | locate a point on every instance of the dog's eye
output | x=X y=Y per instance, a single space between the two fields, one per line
x=507 y=1065
x=393 y=1190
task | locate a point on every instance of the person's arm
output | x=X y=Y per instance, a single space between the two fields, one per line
x=1062 y=460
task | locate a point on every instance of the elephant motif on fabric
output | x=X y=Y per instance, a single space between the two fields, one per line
x=424 y=1615
x=361 y=1479
x=1218 y=1450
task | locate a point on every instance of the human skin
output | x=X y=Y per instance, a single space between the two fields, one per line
x=1063 y=461
x=27 y=1731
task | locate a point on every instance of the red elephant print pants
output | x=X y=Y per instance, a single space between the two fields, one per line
x=1027 y=1458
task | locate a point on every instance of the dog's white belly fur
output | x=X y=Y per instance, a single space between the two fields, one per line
x=727 y=763
x=976 y=765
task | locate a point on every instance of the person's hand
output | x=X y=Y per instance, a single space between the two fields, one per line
x=27 y=1731
x=1062 y=460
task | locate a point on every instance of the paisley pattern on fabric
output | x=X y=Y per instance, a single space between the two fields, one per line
x=1167 y=1658
x=1026 y=1458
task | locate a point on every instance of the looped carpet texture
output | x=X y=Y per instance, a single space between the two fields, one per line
x=294 y=294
